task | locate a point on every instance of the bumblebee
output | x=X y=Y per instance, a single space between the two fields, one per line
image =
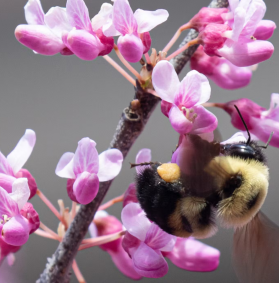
x=213 y=180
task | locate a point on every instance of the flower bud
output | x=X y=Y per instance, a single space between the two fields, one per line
x=32 y=216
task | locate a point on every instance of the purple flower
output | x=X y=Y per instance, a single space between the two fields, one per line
x=85 y=169
x=260 y=121
x=15 y=228
x=37 y=35
x=193 y=255
x=11 y=167
x=220 y=70
x=184 y=99
x=103 y=225
x=133 y=28
x=145 y=242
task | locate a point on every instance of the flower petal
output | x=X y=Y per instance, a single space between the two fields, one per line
x=6 y=182
x=131 y=47
x=86 y=187
x=7 y=205
x=78 y=14
x=130 y=195
x=57 y=20
x=20 y=154
x=103 y=17
x=20 y=192
x=65 y=165
x=157 y=239
x=24 y=173
x=144 y=155
x=123 y=17
x=110 y=164
x=205 y=121
x=83 y=44
x=166 y=107
x=179 y=122
x=124 y=263
x=236 y=138
x=239 y=21
x=264 y=30
x=5 y=167
x=16 y=231
x=194 y=89
x=243 y=54
x=39 y=38
x=165 y=81
x=149 y=263
x=148 y=20
x=86 y=157
x=194 y=255
x=34 y=13
x=135 y=220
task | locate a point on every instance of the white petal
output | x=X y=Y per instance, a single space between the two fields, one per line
x=20 y=192
x=165 y=81
x=34 y=13
x=65 y=166
x=110 y=164
x=147 y=20
x=20 y=154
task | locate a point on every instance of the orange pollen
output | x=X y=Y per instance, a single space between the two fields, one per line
x=169 y=172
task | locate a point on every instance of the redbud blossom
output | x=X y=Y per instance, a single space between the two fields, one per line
x=37 y=35
x=85 y=169
x=264 y=30
x=145 y=241
x=85 y=42
x=220 y=70
x=133 y=28
x=184 y=99
x=260 y=121
x=11 y=167
x=103 y=225
x=16 y=229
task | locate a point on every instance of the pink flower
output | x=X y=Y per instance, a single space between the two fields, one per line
x=83 y=40
x=15 y=227
x=242 y=48
x=145 y=242
x=193 y=255
x=133 y=28
x=11 y=167
x=260 y=121
x=183 y=99
x=85 y=169
x=235 y=40
x=105 y=224
x=37 y=35
x=220 y=70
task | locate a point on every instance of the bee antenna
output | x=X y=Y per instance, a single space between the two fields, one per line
x=142 y=164
x=249 y=136
x=270 y=137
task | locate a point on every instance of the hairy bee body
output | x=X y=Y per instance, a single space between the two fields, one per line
x=225 y=181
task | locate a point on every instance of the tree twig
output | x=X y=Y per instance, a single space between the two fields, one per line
x=131 y=124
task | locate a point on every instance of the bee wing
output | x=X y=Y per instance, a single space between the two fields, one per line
x=200 y=166
x=256 y=251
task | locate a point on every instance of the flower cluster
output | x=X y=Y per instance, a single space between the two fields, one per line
x=84 y=169
x=17 y=186
x=70 y=31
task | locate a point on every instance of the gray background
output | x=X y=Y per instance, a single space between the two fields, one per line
x=65 y=99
